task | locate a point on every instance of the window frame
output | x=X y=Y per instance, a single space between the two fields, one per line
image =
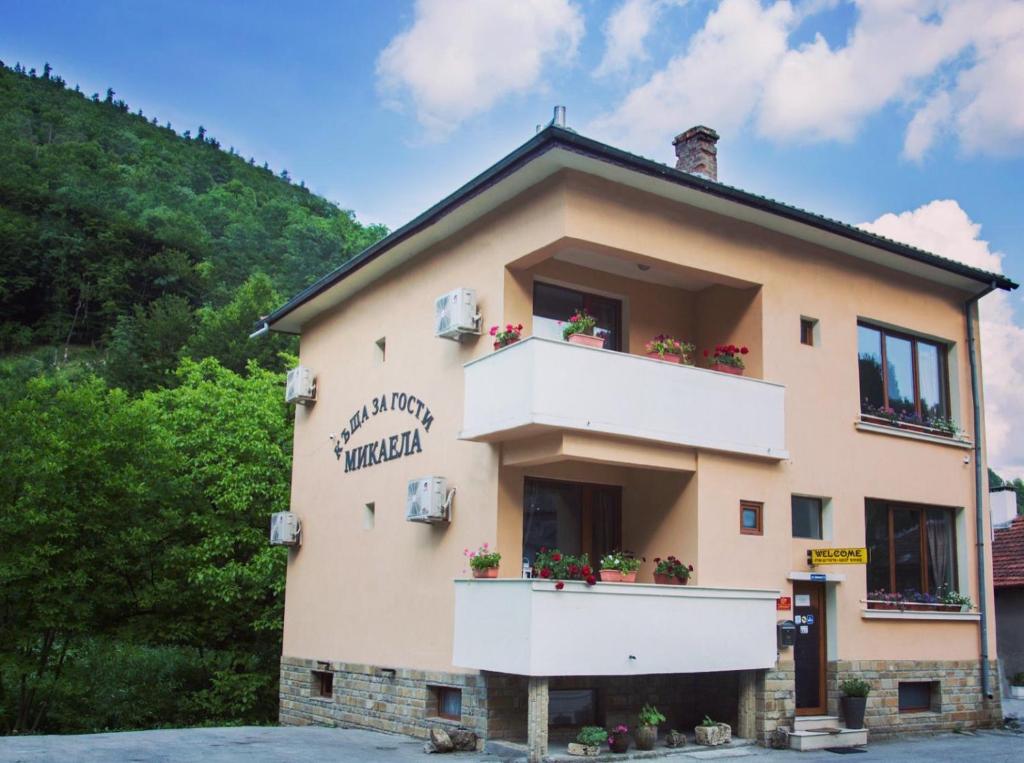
x=758 y=507
x=439 y=694
x=588 y=299
x=807 y=331
x=323 y=683
x=821 y=516
x=932 y=687
x=943 y=353
x=922 y=510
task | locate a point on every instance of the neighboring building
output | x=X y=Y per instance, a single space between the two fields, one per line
x=836 y=436
x=1008 y=570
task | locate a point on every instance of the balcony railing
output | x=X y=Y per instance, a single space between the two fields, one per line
x=539 y=385
x=527 y=627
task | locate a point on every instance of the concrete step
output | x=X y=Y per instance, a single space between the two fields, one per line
x=820 y=740
x=810 y=722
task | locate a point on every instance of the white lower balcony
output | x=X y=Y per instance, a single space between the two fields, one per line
x=527 y=627
x=540 y=385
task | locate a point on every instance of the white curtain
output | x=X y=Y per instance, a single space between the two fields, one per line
x=940 y=548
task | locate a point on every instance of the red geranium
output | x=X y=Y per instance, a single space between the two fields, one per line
x=545 y=573
x=591 y=580
x=559 y=585
x=556 y=557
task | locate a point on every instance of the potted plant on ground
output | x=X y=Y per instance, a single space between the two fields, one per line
x=619 y=567
x=618 y=738
x=854 y=701
x=588 y=741
x=675 y=739
x=484 y=562
x=646 y=733
x=509 y=335
x=727 y=359
x=664 y=347
x=579 y=329
x=1017 y=686
x=713 y=733
x=558 y=567
x=671 y=571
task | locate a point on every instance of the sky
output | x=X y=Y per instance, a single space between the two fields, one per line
x=904 y=116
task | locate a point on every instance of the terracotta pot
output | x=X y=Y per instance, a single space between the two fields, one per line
x=724 y=369
x=489 y=572
x=667 y=357
x=611 y=576
x=587 y=340
x=499 y=345
x=619 y=742
x=629 y=577
x=645 y=737
x=661 y=579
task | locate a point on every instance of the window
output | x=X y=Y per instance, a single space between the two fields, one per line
x=369 y=516
x=323 y=683
x=751 y=516
x=382 y=346
x=902 y=373
x=574 y=517
x=806 y=517
x=808 y=328
x=572 y=707
x=554 y=304
x=910 y=548
x=447 y=702
x=916 y=696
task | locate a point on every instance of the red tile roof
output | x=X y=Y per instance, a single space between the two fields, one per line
x=1008 y=555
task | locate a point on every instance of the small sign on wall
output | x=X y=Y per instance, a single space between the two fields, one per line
x=783 y=603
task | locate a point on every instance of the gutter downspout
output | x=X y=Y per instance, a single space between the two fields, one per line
x=970 y=310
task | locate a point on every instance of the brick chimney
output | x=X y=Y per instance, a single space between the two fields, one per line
x=696 y=152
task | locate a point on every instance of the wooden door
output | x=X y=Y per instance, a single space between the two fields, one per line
x=809 y=651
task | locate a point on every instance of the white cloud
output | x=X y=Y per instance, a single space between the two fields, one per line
x=460 y=57
x=953 y=64
x=944 y=228
x=626 y=31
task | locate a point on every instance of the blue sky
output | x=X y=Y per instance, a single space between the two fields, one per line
x=869 y=111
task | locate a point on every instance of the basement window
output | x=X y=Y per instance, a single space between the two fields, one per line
x=572 y=708
x=917 y=696
x=369 y=516
x=323 y=683
x=447 y=702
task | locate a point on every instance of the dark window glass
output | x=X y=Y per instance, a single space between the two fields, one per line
x=572 y=707
x=910 y=548
x=807 y=331
x=552 y=305
x=806 y=517
x=323 y=683
x=869 y=355
x=449 y=702
x=552 y=517
x=906 y=539
x=929 y=379
x=877 y=542
x=915 y=695
x=900 y=374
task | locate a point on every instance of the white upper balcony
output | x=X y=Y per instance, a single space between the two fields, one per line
x=540 y=385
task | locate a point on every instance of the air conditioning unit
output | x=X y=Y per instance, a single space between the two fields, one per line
x=455 y=314
x=429 y=500
x=285 y=529
x=301 y=387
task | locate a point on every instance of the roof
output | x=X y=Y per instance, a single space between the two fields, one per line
x=577 y=151
x=1008 y=555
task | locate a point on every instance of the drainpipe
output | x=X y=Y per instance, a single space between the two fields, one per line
x=970 y=309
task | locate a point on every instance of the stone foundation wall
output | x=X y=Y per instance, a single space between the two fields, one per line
x=775 y=695
x=956 y=699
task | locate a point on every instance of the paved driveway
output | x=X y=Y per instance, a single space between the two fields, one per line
x=323 y=745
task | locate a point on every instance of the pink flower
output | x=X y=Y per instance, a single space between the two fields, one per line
x=494 y=330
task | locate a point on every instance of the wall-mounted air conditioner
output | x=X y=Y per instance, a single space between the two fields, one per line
x=455 y=314
x=285 y=529
x=429 y=500
x=301 y=387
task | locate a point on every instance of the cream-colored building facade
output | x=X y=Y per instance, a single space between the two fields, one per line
x=594 y=450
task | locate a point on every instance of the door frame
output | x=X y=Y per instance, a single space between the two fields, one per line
x=817 y=590
x=587 y=490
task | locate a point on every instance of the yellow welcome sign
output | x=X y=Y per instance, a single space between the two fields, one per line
x=816 y=556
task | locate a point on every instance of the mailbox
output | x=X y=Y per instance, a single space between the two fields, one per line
x=787 y=633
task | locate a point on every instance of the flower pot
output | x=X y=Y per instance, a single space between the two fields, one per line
x=853 y=711
x=611 y=576
x=667 y=357
x=720 y=733
x=618 y=743
x=629 y=577
x=661 y=579
x=587 y=340
x=725 y=369
x=487 y=572
x=675 y=739
x=584 y=750
x=645 y=737
x=1017 y=692
x=499 y=345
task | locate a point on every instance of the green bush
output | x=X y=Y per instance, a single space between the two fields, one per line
x=855 y=687
x=592 y=736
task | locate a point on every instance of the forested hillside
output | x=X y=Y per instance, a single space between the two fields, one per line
x=144 y=440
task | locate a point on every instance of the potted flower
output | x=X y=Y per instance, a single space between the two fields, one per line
x=646 y=733
x=483 y=562
x=854 y=701
x=675 y=739
x=1017 y=686
x=713 y=733
x=921 y=601
x=671 y=571
x=727 y=359
x=510 y=335
x=664 y=347
x=579 y=329
x=619 y=567
x=588 y=741
x=882 y=599
x=618 y=738
x=554 y=565
x=954 y=601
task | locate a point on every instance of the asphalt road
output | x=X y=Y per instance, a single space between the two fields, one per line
x=324 y=745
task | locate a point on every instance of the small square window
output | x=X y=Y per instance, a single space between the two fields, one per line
x=808 y=328
x=369 y=516
x=751 y=518
x=447 y=702
x=806 y=517
x=323 y=683
x=916 y=696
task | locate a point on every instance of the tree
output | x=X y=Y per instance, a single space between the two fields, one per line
x=144 y=346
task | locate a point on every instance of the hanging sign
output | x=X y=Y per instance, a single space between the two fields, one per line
x=390 y=447
x=817 y=556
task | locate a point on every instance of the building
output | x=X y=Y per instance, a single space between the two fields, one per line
x=1008 y=578
x=852 y=426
